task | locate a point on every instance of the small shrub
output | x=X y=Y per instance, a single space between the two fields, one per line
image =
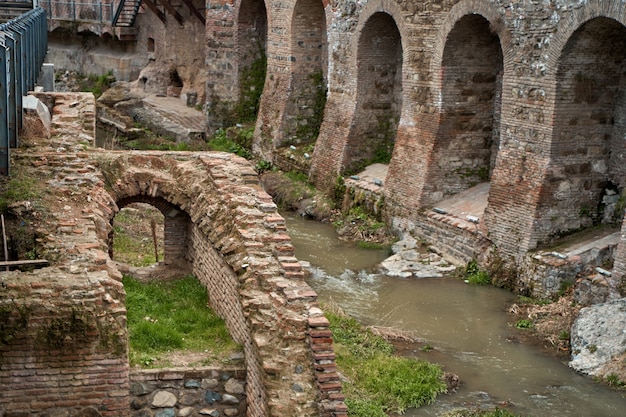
x=263 y=166
x=475 y=275
x=524 y=324
x=613 y=380
x=592 y=348
x=221 y=142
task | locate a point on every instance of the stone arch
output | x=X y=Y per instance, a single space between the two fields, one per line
x=176 y=224
x=304 y=108
x=379 y=61
x=468 y=64
x=251 y=49
x=238 y=248
x=586 y=172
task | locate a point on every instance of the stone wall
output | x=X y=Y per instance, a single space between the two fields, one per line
x=68 y=323
x=187 y=392
x=469 y=91
x=164 y=57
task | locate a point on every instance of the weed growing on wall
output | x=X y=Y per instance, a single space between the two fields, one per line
x=234 y=140
x=475 y=275
x=252 y=80
x=377 y=382
x=309 y=127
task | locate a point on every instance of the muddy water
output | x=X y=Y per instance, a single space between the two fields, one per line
x=466 y=325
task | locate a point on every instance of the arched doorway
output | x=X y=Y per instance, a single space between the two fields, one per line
x=586 y=178
x=309 y=60
x=379 y=94
x=252 y=61
x=471 y=85
x=164 y=229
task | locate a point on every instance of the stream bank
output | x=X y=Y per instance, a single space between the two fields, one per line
x=467 y=327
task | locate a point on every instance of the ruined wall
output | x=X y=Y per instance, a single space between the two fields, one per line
x=235 y=240
x=175 y=53
x=63 y=343
x=619 y=265
x=239 y=249
x=166 y=57
x=188 y=392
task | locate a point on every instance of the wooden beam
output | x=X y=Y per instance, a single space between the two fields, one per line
x=195 y=11
x=24 y=262
x=168 y=6
x=155 y=10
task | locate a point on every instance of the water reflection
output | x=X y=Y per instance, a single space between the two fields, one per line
x=467 y=325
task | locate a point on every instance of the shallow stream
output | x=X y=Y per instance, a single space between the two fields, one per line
x=467 y=326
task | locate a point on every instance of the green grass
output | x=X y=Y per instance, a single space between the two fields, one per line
x=20 y=188
x=497 y=412
x=173 y=315
x=132 y=240
x=224 y=142
x=378 y=382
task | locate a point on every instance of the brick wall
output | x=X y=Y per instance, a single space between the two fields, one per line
x=63 y=343
x=238 y=247
x=309 y=65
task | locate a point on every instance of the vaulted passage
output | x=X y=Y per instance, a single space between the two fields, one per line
x=309 y=56
x=379 y=94
x=467 y=139
x=251 y=51
x=587 y=152
x=174 y=221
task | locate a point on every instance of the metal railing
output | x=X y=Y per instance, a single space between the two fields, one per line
x=84 y=11
x=23 y=46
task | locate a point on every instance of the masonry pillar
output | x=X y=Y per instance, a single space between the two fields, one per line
x=277 y=82
x=221 y=61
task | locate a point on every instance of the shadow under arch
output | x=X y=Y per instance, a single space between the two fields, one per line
x=374 y=125
x=251 y=51
x=469 y=98
x=306 y=99
x=175 y=223
x=585 y=179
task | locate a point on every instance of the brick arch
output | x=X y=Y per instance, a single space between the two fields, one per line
x=308 y=74
x=175 y=223
x=587 y=157
x=251 y=42
x=468 y=89
x=238 y=248
x=379 y=62
x=489 y=12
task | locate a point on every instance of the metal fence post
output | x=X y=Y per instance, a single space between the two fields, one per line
x=4 y=107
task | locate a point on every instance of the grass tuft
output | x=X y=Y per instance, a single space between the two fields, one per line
x=173 y=315
x=379 y=383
